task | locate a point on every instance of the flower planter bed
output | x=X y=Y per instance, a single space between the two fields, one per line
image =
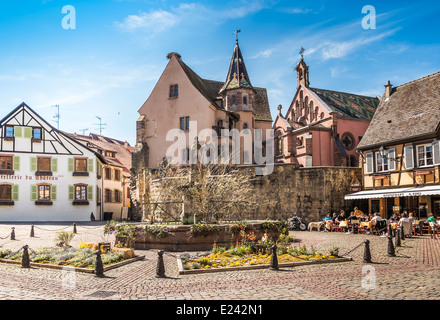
x=197 y=237
x=263 y=265
x=87 y=266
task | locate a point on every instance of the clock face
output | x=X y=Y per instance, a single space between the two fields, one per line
x=348 y=141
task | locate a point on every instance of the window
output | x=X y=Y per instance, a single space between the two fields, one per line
x=117 y=196
x=117 y=175
x=245 y=126
x=369 y=158
x=174 y=91
x=234 y=100
x=5 y=192
x=184 y=123
x=80 y=165
x=424 y=155
x=36 y=133
x=245 y=100
x=108 y=173
x=9 y=131
x=381 y=163
x=6 y=163
x=80 y=192
x=108 y=195
x=43 y=193
x=43 y=164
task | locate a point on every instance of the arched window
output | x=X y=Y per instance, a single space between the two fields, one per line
x=306 y=106
x=245 y=100
x=245 y=126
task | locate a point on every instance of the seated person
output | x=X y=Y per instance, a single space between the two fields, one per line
x=431 y=218
x=363 y=217
x=342 y=217
x=393 y=218
x=352 y=216
x=334 y=217
x=357 y=212
x=378 y=221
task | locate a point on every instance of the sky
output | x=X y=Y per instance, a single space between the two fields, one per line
x=103 y=58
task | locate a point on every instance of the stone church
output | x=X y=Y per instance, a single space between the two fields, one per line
x=321 y=127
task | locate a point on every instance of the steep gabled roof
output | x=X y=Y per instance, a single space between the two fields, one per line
x=210 y=89
x=412 y=110
x=348 y=104
x=237 y=74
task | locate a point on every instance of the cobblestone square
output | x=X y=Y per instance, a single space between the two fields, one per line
x=411 y=275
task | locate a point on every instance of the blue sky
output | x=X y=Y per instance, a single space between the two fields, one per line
x=109 y=64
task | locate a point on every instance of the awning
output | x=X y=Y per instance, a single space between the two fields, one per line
x=384 y=193
x=395 y=193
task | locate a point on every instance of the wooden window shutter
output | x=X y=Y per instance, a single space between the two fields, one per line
x=53 y=194
x=71 y=193
x=15 y=192
x=90 y=165
x=28 y=132
x=16 y=164
x=18 y=132
x=90 y=193
x=33 y=164
x=71 y=165
x=409 y=157
x=436 y=151
x=369 y=162
x=54 y=164
x=33 y=192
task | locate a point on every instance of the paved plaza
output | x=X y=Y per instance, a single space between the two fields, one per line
x=412 y=274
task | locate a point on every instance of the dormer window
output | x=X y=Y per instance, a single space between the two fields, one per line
x=174 y=91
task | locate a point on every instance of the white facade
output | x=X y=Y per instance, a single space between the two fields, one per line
x=45 y=175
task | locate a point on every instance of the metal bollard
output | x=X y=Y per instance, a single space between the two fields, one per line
x=353 y=228
x=74 y=227
x=160 y=268
x=402 y=233
x=390 y=231
x=391 y=252
x=25 y=261
x=32 y=231
x=13 y=234
x=367 y=252
x=398 y=244
x=274 y=258
x=99 y=267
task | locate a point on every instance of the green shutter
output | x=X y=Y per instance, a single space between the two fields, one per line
x=71 y=165
x=33 y=164
x=112 y=194
x=112 y=176
x=27 y=132
x=54 y=164
x=17 y=132
x=71 y=193
x=53 y=193
x=90 y=165
x=15 y=192
x=33 y=193
x=16 y=163
x=90 y=193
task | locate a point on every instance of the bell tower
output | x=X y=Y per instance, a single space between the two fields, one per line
x=302 y=71
x=237 y=93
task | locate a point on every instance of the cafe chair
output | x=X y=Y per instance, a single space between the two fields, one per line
x=433 y=230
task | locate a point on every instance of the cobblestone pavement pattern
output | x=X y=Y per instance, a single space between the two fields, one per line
x=412 y=274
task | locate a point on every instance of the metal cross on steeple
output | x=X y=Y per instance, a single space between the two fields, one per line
x=236 y=34
x=301 y=52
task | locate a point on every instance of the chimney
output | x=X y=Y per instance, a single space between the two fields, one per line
x=388 y=89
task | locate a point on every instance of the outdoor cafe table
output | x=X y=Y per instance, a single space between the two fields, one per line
x=368 y=224
x=343 y=224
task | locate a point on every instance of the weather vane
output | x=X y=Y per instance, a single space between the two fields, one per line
x=236 y=34
x=301 y=52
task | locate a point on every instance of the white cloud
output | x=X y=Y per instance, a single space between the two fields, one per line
x=154 y=21
x=264 y=54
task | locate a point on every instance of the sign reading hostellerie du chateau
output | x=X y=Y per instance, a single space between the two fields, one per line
x=26 y=177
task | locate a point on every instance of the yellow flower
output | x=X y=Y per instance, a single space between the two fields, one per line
x=206 y=267
x=214 y=265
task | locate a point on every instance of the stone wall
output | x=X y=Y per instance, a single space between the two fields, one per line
x=308 y=192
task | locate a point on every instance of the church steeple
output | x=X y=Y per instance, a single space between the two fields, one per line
x=237 y=74
x=302 y=70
